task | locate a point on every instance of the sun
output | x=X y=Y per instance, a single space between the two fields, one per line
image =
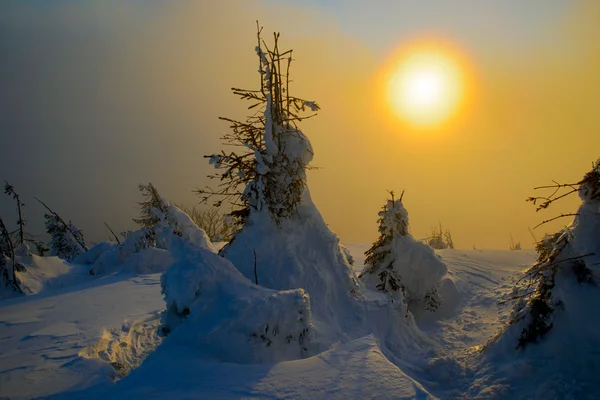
x=425 y=85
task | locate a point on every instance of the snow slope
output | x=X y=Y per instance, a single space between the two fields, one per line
x=80 y=333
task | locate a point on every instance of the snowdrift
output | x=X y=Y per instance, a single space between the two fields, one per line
x=107 y=257
x=215 y=310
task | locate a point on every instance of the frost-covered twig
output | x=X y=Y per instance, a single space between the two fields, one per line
x=557 y=217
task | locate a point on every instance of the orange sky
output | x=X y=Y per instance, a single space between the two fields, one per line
x=107 y=96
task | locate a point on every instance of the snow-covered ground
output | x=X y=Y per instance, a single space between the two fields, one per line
x=81 y=333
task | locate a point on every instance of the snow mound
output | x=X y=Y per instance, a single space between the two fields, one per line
x=127 y=258
x=37 y=274
x=212 y=308
x=91 y=256
x=145 y=251
x=300 y=253
x=185 y=226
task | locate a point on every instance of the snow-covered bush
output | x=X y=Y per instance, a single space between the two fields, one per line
x=397 y=264
x=567 y=263
x=213 y=308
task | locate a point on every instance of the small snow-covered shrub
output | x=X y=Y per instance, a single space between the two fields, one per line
x=212 y=307
x=397 y=264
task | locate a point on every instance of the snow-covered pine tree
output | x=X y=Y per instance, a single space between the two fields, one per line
x=64 y=240
x=153 y=207
x=393 y=222
x=270 y=172
x=154 y=210
x=569 y=256
x=409 y=271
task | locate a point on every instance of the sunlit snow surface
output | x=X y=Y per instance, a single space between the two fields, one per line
x=80 y=334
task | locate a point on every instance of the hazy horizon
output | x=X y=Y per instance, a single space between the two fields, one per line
x=98 y=97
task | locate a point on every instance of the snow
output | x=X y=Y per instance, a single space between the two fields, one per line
x=215 y=310
x=80 y=333
x=183 y=224
x=43 y=335
x=355 y=370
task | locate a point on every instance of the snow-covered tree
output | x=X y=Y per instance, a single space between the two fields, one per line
x=152 y=208
x=440 y=239
x=8 y=264
x=283 y=243
x=65 y=240
x=20 y=238
x=567 y=262
x=270 y=172
x=396 y=264
x=10 y=190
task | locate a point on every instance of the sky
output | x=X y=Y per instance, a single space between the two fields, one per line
x=99 y=96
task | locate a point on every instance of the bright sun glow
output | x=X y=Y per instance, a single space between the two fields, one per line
x=425 y=86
